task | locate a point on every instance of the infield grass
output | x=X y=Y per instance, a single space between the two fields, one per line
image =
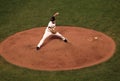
x=100 y=15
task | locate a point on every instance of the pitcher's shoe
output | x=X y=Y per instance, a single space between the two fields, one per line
x=37 y=48
x=65 y=40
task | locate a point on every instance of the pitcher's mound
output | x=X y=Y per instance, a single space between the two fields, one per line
x=85 y=47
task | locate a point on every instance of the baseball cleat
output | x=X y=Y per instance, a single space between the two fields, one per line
x=65 y=40
x=37 y=48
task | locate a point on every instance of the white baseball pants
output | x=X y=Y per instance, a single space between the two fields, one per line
x=46 y=35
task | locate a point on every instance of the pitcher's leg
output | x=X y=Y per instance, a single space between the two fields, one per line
x=47 y=34
x=41 y=41
x=63 y=38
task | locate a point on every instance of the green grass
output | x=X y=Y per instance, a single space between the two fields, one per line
x=100 y=15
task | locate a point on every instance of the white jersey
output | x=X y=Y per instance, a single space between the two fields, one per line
x=51 y=25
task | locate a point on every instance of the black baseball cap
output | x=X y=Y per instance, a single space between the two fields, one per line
x=52 y=18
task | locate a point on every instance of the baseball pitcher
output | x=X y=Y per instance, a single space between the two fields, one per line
x=50 y=30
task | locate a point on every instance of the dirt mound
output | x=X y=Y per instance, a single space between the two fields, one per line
x=82 y=49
